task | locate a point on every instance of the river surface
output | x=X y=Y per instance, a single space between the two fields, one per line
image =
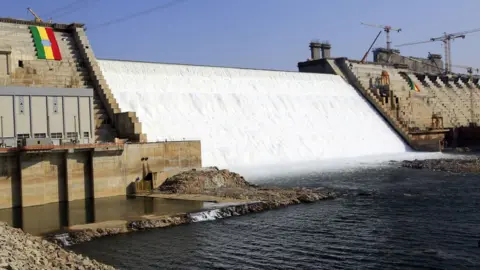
x=386 y=218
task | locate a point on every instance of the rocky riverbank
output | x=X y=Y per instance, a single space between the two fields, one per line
x=20 y=250
x=238 y=197
x=469 y=165
x=225 y=184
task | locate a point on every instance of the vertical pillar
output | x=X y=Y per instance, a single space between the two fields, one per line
x=89 y=183
x=63 y=186
x=17 y=183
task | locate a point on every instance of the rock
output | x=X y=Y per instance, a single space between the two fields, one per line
x=24 y=251
x=470 y=165
x=199 y=180
x=86 y=262
x=223 y=183
x=308 y=197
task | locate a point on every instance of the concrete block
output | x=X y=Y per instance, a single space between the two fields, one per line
x=43 y=179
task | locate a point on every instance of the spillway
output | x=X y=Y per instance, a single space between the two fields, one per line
x=248 y=117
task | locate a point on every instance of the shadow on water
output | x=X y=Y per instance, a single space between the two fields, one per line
x=54 y=217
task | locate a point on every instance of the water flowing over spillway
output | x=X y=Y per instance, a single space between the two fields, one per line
x=248 y=117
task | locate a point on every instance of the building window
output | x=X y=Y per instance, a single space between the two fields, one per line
x=21 y=104
x=20 y=63
x=23 y=136
x=86 y=134
x=56 y=135
x=55 y=104
x=72 y=135
x=39 y=135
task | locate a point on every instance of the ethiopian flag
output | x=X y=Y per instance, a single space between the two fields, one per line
x=413 y=85
x=45 y=43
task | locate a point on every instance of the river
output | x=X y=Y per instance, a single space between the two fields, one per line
x=385 y=218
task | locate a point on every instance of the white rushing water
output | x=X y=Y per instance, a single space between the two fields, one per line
x=247 y=117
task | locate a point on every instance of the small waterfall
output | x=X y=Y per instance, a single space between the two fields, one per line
x=64 y=239
x=205 y=215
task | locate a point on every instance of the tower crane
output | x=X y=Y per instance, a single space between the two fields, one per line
x=387 y=30
x=446 y=38
x=468 y=69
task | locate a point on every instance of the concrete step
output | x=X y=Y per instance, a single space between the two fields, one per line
x=105 y=135
x=101 y=123
x=100 y=113
x=105 y=128
x=98 y=106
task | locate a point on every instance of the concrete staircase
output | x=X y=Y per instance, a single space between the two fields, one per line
x=103 y=128
x=110 y=121
x=336 y=69
x=389 y=111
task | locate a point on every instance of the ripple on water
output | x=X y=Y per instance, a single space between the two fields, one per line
x=436 y=226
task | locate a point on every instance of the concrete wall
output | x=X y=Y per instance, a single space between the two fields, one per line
x=24 y=69
x=26 y=111
x=316 y=66
x=115 y=172
x=79 y=178
x=433 y=64
x=108 y=168
x=36 y=178
x=165 y=158
x=43 y=178
x=9 y=179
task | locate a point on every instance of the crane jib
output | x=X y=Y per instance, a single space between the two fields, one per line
x=446 y=39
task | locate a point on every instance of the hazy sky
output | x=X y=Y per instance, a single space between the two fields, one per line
x=272 y=34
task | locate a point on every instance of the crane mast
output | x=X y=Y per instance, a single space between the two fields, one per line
x=387 y=29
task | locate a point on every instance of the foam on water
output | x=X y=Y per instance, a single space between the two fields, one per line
x=205 y=215
x=251 y=117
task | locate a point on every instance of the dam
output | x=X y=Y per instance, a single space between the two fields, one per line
x=74 y=127
x=246 y=117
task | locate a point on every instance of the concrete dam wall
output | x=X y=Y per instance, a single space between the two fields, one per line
x=247 y=117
